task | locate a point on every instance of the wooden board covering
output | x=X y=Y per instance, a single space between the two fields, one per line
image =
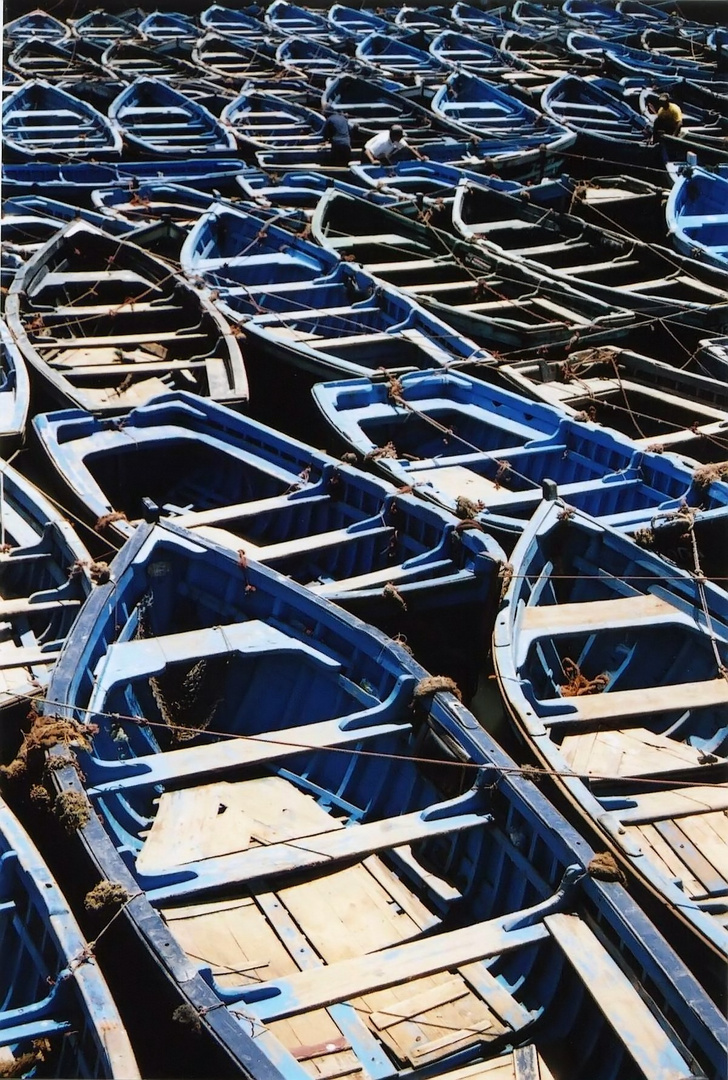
x=632 y=752
x=222 y=818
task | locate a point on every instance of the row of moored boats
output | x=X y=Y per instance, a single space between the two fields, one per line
x=237 y=671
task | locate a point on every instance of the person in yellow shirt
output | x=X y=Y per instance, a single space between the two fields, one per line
x=668 y=120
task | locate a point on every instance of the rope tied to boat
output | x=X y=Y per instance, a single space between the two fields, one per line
x=577 y=684
x=436 y=684
x=25 y=1064
x=505 y=575
x=704 y=475
x=104 y=895
x=465 y=508
x=604 y=867
x=391 y=592
x=389 y=450
x=109 y=519
x=46 y=732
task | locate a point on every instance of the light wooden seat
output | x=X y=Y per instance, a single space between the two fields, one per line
x=650 y=699
x=596 y=614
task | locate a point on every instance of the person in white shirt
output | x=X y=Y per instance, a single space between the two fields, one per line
x=382 y=147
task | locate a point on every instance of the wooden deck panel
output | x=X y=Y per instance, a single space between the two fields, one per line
x=635 y=752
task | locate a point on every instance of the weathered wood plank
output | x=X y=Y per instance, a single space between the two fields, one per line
x=630 y=1018
x=660 y=805
x=323 y=848
x=399 y=964
x=593 y=614
x=616 y=704
x=636 y=752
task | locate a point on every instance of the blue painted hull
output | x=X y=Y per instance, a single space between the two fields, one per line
x=489 y=452
x=44 y=578
x=42 y=122
x=697 y=216
x=57 y=1017
x=347 y=536
x=304 y=728
x=602 y=642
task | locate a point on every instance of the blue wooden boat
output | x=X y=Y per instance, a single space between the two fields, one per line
x=57 y=1016
x=285 y=18
x=612 y=664
x=155 y=119
x=56 y=212
x=45 y=575
x=107 y=326
x=624 y=60
x=606 y=126
x=385 y=556
x=704 y=127
x=598 y=17
x=397 y=59
x=431 y=910
x=463 y=52
x=129 y=60
x=348 y=323
x=424 y=22
x=484 y=452
x=372 y=109
x=676 y=45
x=512 y=313
x=310 y=59
x=304 y=189
x=36 y=58
x=536 y=16
x=233 y=22
x=266 y=121
x=82 y=178
x=233 y=59
x=356 y=22
x=101 y=26
x=481 y=23
x=658 y=404
x=40 y=121
x=149 y=202
x=38 y=25
x=254 y=260
x=14 y=392
x=490 y=112
x=504 y=124
x=697 y=216
x=618 y=269
x=169 y=26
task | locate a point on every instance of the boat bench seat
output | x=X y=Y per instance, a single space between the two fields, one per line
x=406 y=264
x=345 y=341
x=595 y=614
x=396 y=574
x=323 y=848
x=120 y=340
x=360 y=975
x=699 y=220
x=586 y=268
x=434 y=287
x=648 y=700
x=547 y=249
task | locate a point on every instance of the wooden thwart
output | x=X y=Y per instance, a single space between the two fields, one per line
x=352 y=978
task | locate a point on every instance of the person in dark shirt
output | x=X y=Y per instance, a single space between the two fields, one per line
x=338 y=135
